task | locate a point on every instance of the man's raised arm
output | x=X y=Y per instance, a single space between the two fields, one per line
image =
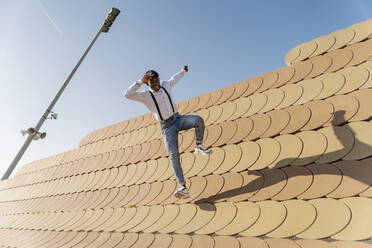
x=178 y=76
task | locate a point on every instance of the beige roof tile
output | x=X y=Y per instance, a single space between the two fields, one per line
x=274 y=98
x=269 y=79
x=299 y=180
x=101 y=197
x=162 y=241
x=279 y=120
x=247 y=214
x=332 y=83
x=261 y=123
x=214 y=113
x=356 y=178
x=214 y=185
x=225 y=213
x=229 y=129
x=326 y=178
x=350 y=244
x=188 y=141
x=129 y=240
x=274 y=182
x=182 y=106
x=292 y=55
x=202 y=241
x=240 y=88
x=364 y=111
x=193 y=104
x=247 y=242
x=253 y=181
x=168 y=172
x=141 y=213
x=292 y=93
x=169 y=186
x=121 y=172
x=243 y=104
x=362 y=132
x=211 y=135
x=204 y=214
x=320 y=65
x=324 y=44
x=228 y=109
x=321 y=112
x=355 y=78
x=204 y=100
x=215 y=161
x=133 y=190
x=199 y=164
x=290 y=149
x=332 y=217
x=77 y=238
x=162 y=166
x=144 y=190
x=170 y=214
x=233 y=184
x=315 y=144
x=227 y=93
x=308 y=243
x=155 y=189
x=131 y=172
x=306 y=50
x=226 y=241
x=361 y=218
x=181 y=241
x=302 y=69
x=259 y=101
x=88 y=214
x=343 y=37
x=186 y=214
x=300 y=216
x=215 y=96
x=285 y=75
x=340 y=142
x=144 y=240
x=113 y=194
x=152 y=165
x=156 y=212
x=140 y=171
x=254 y=84
x=250 y=154
x=270 y=150
x=361 y=52
x=198 y=185
x=233 y=154
x=244 y=128
x=282 y=243
x=312 y=88
x=272 y=215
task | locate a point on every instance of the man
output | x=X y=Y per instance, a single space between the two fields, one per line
x=158 y=99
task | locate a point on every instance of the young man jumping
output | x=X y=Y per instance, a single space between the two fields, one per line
x=158 y=99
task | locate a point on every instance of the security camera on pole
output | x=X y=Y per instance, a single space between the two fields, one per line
x=33 y=132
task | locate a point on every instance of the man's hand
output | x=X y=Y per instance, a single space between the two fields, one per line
x=186 y=68
x=146 y=78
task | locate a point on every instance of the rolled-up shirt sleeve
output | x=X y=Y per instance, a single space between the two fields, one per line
x=133 y=94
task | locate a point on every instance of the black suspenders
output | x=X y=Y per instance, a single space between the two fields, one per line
x=156 y=104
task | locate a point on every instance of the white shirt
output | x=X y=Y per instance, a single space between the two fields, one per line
x=161 y=97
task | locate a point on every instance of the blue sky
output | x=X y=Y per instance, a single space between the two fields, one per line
x=223 y=42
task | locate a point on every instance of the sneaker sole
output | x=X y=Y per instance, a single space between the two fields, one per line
x=181 y=196
x=203 y=153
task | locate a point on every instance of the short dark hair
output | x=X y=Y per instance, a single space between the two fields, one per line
x=152 y=73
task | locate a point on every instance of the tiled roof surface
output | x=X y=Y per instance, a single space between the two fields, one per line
x=291 y=167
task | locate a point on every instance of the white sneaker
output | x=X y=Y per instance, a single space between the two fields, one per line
x=182 y=193
x=200 y=149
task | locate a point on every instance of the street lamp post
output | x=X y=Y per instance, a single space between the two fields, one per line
x=32 y=132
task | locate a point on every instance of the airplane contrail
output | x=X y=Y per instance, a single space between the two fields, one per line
x=50 y=19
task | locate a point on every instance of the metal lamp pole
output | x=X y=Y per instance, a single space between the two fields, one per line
x=32 y=132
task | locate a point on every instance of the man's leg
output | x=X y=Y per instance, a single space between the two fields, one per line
x=193 y=121
x=171 y=143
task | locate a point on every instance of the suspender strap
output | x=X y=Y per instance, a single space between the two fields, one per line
x=169 y=98
x=156 y=104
